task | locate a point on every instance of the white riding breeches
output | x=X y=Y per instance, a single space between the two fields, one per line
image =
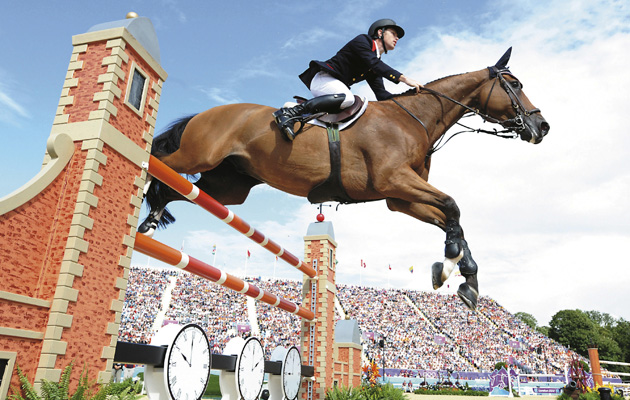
x=324 y=83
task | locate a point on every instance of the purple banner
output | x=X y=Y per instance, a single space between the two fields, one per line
x=439 y=339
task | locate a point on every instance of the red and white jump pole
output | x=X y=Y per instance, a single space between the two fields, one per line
x=169 y=255
x=187 y=189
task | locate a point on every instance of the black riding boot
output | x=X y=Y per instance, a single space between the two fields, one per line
x=287 y=117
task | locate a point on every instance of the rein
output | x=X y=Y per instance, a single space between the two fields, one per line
x=508 y=133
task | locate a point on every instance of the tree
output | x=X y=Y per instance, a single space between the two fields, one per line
x=604 y=320
x=528 y=319
x=573 y=328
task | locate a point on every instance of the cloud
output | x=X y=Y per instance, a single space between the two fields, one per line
x=10 y=108
x=219 y=95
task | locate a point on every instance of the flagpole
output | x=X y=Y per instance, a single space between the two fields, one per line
x=361 y=273
x=275 y=261
x=214 y=254
x=246 y=260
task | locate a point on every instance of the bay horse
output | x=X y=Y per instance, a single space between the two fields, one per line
x=386 y=154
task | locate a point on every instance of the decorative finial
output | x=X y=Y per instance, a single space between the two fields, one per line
x=132 y=14
x=320 y=216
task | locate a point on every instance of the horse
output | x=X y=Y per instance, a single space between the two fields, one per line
x=385 y=154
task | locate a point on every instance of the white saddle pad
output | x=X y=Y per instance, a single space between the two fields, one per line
x=342 y=125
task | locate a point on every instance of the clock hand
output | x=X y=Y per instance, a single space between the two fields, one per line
x=191 y=348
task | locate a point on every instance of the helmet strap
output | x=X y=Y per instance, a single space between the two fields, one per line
x=383 y=40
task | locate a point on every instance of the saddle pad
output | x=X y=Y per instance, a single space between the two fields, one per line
x=342 y=125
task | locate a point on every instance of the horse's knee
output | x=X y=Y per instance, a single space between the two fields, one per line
x=450 y=208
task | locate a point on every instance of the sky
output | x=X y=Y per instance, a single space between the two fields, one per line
x=547 y=224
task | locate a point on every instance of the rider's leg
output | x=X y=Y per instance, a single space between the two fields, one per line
x=286 y=117
x=322 y=87
x=323 y=84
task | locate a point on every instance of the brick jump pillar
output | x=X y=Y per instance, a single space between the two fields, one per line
x=333 y=351
x=66 y=237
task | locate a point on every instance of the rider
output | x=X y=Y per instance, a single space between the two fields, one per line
x=358 y=60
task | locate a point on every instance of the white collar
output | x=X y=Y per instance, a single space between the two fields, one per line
x=378 y=53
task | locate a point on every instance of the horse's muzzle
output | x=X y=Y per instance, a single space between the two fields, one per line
x=536 y=129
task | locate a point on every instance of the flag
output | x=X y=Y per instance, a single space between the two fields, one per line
x=249 y=254
x=390 y=267
x=182 y=248
x=411 y=269
x=363 y=264
x=214 y=249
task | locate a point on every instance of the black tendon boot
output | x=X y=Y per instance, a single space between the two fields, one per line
x=454 y=239
x=469 y=290
x=287 y=117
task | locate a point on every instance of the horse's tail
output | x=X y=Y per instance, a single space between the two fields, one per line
x=165 y=143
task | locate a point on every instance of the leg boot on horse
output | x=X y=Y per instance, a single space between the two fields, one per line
x=456 y=251
x=469 y=290
x=287 y=117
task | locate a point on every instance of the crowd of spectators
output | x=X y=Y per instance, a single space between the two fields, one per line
x=143 y=301
x=407 y=337
x=420 y=330
x=278 y=327
x=217 y=310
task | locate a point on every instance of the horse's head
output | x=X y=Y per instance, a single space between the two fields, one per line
x=509 y=106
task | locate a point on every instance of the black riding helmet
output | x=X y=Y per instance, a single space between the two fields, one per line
x=385 y=23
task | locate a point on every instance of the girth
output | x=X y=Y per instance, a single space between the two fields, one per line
x=332 y=188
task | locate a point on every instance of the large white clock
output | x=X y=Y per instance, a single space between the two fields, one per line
x=250 y=369
x=187 y=364
x=292 y=373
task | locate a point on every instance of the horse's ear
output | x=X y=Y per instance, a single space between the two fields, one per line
x=503 y=61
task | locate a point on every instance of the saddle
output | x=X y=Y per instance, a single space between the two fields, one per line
x=332 y=188
x=345 y=116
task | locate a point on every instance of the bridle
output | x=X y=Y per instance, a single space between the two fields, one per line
x=516 y=123
x=512 y=126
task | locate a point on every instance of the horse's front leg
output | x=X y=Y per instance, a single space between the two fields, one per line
x=456 y=249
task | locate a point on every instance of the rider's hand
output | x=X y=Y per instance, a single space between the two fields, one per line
x=411 y=82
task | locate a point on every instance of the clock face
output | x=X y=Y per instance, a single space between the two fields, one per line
x=250 y=369
x=292 y=373
x=187 y=364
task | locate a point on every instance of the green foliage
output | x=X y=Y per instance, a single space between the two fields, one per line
x=86 y=390
x=528 y=319
x=343 y=393
x=55 y=391
x=573 y=328
x=499 y=365
x=452 y=392
x=592 y=395
x=365 y=392
x=125 y=390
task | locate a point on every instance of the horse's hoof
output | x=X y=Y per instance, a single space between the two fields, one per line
x=436 y=275
x=468 y=295
x=147 y=228
x=467 y=266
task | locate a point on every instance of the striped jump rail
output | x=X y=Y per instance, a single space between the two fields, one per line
x=187 y=189
x=169 y=255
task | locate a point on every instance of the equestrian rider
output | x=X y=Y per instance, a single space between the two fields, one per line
x=330 y=81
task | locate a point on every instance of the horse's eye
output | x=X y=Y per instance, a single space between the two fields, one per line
x=516 y=85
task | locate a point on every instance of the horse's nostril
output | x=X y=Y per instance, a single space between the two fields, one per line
x=544 y=128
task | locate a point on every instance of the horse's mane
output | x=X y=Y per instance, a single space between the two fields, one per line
x=412 y=91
